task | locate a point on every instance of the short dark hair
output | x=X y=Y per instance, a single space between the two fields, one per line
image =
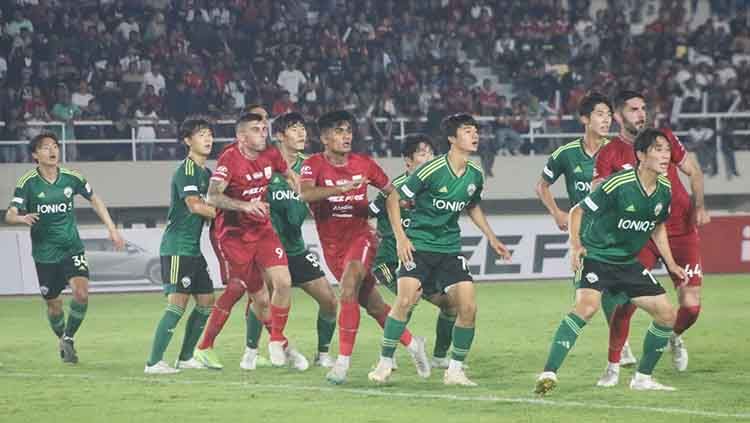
x=589 y=102
x=646 y=139
x=286 y=121
x=253 y=106
x=451 y=123
x=411 y=144
x=247 y=118
x=192 y=125
x=623 y=96
x=333 y=119
x=37 y=140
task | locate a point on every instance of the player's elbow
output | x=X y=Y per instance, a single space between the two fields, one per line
x=540 y=188
x=9 y=215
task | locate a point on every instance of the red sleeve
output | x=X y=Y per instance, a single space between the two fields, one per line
x=603 y=165
x=309 y=170
x=376 y=176
x=678 y=149
x=278 y=162
x=222 y=172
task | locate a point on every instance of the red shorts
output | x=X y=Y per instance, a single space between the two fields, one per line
x=361 y=248
x=244 y=261
x=686 y=252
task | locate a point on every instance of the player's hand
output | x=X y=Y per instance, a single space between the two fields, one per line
x=29 y=219
x=577 y=253
x=256 y=207
x=561 y=219
x=117 y=240
x=404 y=249
x=679 y=272
x=500 y=249
x=701 y=216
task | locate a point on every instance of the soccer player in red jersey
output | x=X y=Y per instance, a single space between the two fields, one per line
x=684 y=219
x=335 y=184
x=244 y=238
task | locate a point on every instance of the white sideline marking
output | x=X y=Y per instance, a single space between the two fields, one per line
x=392 y=394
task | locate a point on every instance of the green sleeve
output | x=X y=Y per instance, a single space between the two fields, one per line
x=20 y=198
x=412 y=186
x=377 y=206
x=597 y=201
x=187 y=185
x=83 y=188
x=553 y=169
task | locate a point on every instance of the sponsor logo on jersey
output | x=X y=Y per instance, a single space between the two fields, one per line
x=592 y=277
x=44 y=290
x=88 y=187
x=471 y=189
x=328 y=183
x=636 y=225
x=410 y=265
x=254 y=190
x=356 y=177
x=305 y=170
x=455 y=206
x=583 y=186
x=341 y=182
x=627 y=166
x=268 y=172
x=630 y=208
x=68 y=191
x=284 y=195
x=222 y=170
x=255 y=175
x=578 y=169
x=54 y=208
x=186 y=281
x=658 y=209
x=41 y=195
x=346 y=198
x=443 y=189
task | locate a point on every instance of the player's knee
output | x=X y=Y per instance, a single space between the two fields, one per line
x=54 y=307
x=81 y=296
x=691 y=297
x=467 y=311
x=586 y=310
x=666 y=315
x=404 y=302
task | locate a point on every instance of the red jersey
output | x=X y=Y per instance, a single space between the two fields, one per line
x=618 y=155
x=248 y=180
x=342 y=216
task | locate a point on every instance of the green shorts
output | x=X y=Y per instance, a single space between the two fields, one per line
x=436 y=271
x=186 y=275
x=54 y=277
x=631 y=280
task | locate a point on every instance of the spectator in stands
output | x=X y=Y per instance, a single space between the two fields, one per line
x=146 y=121
x=155 y=78
x=82 y=96
x=291 y=80
x=64 y=110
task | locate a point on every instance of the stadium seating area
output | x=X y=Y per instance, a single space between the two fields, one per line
x=120 y=60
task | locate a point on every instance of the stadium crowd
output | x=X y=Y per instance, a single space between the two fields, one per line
x=122 y=60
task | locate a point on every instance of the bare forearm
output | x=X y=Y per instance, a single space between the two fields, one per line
x=480 y=220
x=544 y=194
x=574 y=225
x=660 y=238
x=696 y=187
x=393 y=208
x=221 y=201
x=12 y=217
x=101 y=210
x=202 y=209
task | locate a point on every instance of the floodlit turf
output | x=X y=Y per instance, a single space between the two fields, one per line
x=515 y=324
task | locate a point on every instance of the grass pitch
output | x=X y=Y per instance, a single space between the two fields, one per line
x=515 y=324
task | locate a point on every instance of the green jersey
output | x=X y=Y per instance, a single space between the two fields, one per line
x=439 y=196
x=55 y=235
x=288 y=211
x=182 y=236
x=574 y=162
x=619 y=217
x=387 y=248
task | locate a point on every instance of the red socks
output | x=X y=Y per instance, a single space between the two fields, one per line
x=348 y=327
x=686 y=316
x=220 y=313
x=619 y=328
x=279 y=316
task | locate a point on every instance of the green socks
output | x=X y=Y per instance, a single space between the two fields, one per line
x=609 y=303
x=443 y=334
x=326 y=327
x=654 y=344
x=57 y=323
x=193 y=330
x=391 y=334
x=75 y=317
x=254 y=329
x=462 y=339
x=164 y=332
x=565 y=337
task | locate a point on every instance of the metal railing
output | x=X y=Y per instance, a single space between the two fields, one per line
x=537 y=130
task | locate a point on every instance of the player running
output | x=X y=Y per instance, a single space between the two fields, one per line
x=685 y=217
x=288 y=213
x=417 y=149
x=575 y=161
x=335 y=184
x=43 y=200
x=607 y=230
x=430 y=257
x=245 y=239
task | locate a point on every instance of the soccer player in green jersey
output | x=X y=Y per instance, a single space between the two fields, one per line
x=288 y=213
x=183 y=267
x=607 y=230
x=429 y=251
x=43 y=200
x=417 y=149
x=575 y=160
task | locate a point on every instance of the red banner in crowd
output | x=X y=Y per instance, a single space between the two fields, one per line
x=725 y=245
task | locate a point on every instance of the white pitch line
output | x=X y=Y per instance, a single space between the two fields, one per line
x=393 y=394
